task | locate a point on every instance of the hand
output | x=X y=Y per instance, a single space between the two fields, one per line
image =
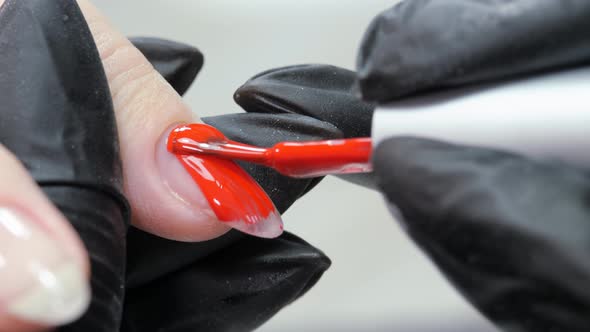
x=265 y=275
x=323 y=92
x=417 y=46
x=64 y=91
x=510 y=233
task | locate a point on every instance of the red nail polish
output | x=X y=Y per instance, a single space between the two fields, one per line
x=234 y=197
x=294 y=159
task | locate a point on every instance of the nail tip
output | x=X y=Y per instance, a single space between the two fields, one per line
x=63 y=303
x=269 y=227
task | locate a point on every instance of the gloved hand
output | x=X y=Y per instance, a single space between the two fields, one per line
x=234 y=282
x=323 y=92
x=58 y=119
x=510 y=233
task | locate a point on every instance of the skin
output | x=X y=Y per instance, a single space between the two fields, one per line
x=145 y=106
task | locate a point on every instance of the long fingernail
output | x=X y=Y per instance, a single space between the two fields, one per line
x=41 y=280
x=222 y=189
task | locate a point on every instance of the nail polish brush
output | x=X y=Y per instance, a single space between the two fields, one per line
x=294 y=159
x=542 y=116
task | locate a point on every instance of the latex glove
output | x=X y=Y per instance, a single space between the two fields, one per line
x=420 y=45
x=508 y=232
x=320 y=91
x=511 y=234
x=59 y=120
x=265 y=275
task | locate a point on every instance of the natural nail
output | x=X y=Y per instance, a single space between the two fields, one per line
x=223 y=189
x=41 y=280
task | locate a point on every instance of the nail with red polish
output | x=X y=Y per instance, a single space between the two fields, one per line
x=208 y=156
x=234 y=197
x=294 y=159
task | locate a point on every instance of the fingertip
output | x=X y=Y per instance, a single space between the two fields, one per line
x=269 y=227
x=146 y=106
x=164 y=198
x=166 y=202
x=178 y=63
x=44 y=270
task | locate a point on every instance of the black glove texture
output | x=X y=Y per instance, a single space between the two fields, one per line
x=421 y=45
x=178 y=63
x=235 y=282
x=512 y=234
x=57 y=118
x=63 y=90
x=323 y=92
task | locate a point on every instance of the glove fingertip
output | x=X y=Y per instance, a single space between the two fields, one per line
x=239 y=287
x=177 y=62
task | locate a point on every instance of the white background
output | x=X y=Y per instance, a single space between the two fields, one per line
x=378 y=279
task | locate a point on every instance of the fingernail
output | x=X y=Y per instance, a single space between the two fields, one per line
x=40 y=279
x=220 y=189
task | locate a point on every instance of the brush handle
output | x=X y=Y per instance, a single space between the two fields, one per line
x=546 y=116
x=318 y=158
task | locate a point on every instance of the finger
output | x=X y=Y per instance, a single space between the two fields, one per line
x=266 y=130
x=421 y=45
x=500 y=227
x=162 y=195
x=278 y=272
x=178 y=63
x=57 y=119
x=151 y=257
x=320 y=91
x=43 y=264
x=429 y=179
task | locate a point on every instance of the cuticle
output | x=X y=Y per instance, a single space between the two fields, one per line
x=163 y=139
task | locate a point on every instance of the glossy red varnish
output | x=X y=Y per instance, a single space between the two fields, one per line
x=231 y=192
x=317 y=158
x=295 y=159
x=233 y=195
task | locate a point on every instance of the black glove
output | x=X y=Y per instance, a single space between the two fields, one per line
x=59 y=122
x=58 y=119
x=508 y=232
x=512 y=234
x=430 y=44
x=323 y=92
x=235 y=282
